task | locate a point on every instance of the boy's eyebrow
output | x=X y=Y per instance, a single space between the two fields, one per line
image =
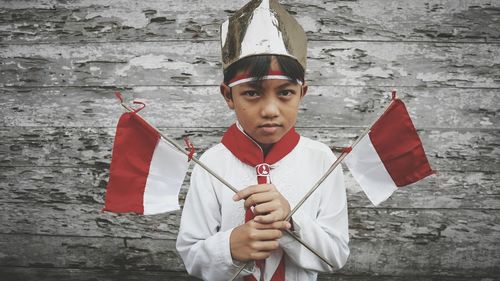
x=286 y=84
x=254 y=84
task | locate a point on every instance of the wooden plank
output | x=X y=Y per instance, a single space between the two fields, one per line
x=204 y=107
x=85 y=220
x=451 y=190
x=394 y=20
x=460 y=190
x=456 y=258
x=52 y=184
x=392 y=64
x=447 y=150
x=409 y=259
x=375 y=224
x=70 y=274
x=89 y=252
x=76 y=274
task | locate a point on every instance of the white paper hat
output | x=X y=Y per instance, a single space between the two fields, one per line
x=262 y=27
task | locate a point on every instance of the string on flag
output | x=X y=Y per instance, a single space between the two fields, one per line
x=190 y=148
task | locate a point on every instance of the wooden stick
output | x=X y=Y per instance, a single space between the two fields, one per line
x=181 y=149
x=337 y=162
x=309 y=248
x=240 y=269
x=316 y=185
x=294 y=236
x=302 y=201
x=319 y=182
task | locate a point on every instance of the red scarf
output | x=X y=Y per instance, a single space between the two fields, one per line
x=250 y=153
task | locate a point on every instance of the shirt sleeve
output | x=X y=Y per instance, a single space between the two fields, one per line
x=204 y=249
x=327 y=233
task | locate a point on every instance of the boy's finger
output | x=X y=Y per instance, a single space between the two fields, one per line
x=260 y=255
x=265 y=234
x=259 y=198
x=265 y=207
x=266 y=245
x=244 y=193
x=268 y=218
x=280 y=225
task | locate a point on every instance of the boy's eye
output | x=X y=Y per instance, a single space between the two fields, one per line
x=286 y=93
x=251 y=94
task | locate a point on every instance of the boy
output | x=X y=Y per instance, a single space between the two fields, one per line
x=264 y=55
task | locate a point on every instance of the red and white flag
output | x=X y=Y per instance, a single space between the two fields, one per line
x=389 y=156
x=146 y=172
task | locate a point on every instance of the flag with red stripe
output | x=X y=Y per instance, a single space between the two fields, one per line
x=146 y=172
x=390 y=156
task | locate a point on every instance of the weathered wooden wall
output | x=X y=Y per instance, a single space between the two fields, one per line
x=61 y=62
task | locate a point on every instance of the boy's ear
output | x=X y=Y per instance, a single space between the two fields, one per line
x=226 y=93
x=305 y=87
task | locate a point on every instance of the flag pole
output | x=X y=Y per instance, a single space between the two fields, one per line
x=181 y=149
x=210 y=171
x=339 y=160
x=294 y=236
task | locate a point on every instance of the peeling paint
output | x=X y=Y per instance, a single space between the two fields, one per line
x=154 y=62
x=133 y=16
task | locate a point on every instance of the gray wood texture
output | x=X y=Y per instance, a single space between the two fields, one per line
x=62 y=61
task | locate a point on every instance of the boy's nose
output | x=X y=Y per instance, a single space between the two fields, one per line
x=270 y=108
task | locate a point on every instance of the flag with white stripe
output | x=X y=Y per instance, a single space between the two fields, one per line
x=390 y=156
x=146 y=172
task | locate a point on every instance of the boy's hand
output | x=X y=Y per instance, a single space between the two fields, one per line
x=269 y=205
x=256 y=241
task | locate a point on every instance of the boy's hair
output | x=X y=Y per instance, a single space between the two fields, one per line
x=258 y=66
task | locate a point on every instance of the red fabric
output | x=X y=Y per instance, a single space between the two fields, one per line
x=397 y=143
x=247 y=151
x=133 y=148
x=250 y=153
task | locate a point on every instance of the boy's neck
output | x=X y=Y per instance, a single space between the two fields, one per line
x=266 y=148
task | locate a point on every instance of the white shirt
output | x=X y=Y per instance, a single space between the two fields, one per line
x=210 y=214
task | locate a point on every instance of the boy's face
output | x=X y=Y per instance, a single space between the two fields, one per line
x=265 y=109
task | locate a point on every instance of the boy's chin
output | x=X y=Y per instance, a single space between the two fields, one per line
x=268 y=140
x=268 y=137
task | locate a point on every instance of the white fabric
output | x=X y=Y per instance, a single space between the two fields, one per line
x=259 y=38
x=166 y=173
x=267 y=77
x=369 y=171
x=210 y=214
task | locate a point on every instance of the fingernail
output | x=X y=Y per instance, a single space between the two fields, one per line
x=235 y=197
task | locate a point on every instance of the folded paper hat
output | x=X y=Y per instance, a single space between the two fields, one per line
x=262 y=27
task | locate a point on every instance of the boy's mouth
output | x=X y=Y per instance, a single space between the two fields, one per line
x=269 y=125
x=270 y=128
